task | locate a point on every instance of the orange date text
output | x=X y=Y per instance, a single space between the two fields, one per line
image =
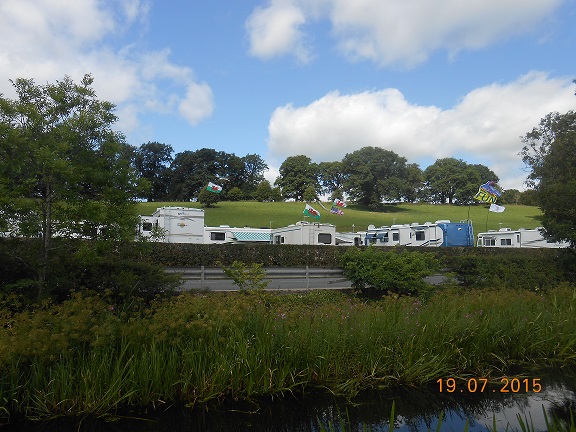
x=480 y=385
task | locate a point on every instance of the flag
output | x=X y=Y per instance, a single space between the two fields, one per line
x=336 y=210
x=491 y=188
x=496 y=208
x=339 y=203
x=214 y=188
x=488 y=192
x=484 y=196
x=309 y=211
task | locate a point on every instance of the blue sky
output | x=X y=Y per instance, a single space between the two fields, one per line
x=425 y=79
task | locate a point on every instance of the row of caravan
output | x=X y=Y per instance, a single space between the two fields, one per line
x=186 y=225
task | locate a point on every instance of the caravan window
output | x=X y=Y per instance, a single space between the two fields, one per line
x=218 y=236
x=147 y=226
x=420 y=235
x=396 y=236
x=383 y=238
x=489 y=241
x=505 y=242
x=324 y=238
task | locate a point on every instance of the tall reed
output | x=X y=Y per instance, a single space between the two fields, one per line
x=84 y=357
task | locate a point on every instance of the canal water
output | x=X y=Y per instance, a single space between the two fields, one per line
x=416 y=409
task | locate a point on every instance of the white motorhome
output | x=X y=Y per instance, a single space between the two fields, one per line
x=305 y=233
x=227 y=234
x=507 y=238
x=439 y=233
x=350 y=238
x=174 y=225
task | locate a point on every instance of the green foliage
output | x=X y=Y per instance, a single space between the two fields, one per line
x=63 y=170
x=152 y=160
x=374 y=175
x=235 y=194
x=211 y=255
x=124 y=270
x=526 y=269
x=332 y=178
x=550 y=153
x=191 y=171
x=557 y=190
x=529 y=197
x=389 y=270
x=263 y=191
x=297 y=173
x=87 y=357
x=207 y=198
x=247 y=277
x=310 y=194
x=454 y=181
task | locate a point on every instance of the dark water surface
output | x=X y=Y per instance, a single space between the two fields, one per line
x=417 y=409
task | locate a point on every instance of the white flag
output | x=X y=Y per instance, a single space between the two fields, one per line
x=496 y=208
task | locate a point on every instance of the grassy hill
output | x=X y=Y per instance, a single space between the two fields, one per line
x=278 y=214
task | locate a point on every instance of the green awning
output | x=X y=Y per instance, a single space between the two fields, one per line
x=252 y=236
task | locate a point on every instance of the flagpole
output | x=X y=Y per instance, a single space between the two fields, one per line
x=487 y=214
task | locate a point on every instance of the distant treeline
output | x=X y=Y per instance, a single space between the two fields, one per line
x=367 y=176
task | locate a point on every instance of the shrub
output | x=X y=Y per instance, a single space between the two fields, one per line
x=235 y=194
x=396 y=272
x=247 y=277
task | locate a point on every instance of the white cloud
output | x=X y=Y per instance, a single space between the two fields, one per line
x=198 y=103
x=389 y=32
x=484 y=127
x=46 y=40
x=276 y=30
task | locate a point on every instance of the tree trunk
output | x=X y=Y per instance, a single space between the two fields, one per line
x=45 y=249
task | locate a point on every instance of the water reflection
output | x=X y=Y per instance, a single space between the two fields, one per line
x=416 y=410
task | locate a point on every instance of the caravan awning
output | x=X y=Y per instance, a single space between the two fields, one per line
x=252 y=236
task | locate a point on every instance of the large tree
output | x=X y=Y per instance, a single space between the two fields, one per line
x=414 y=183
x=332 y=178
x=454 y=181
x=63 y=170
x=191 y=171
x=374 y=175
x=152 y=162
x=550 y=154
x=297 y=173
x=253 y=172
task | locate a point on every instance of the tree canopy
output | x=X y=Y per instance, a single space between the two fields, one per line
x=297 y=173
x=374 y=174
x=451 y=180
x=550 y=155
x=152 y=162
x=63 y=170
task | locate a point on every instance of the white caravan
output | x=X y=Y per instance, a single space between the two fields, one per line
x=350 y=238
x=227 y=234
x=439 y=233
x=305 y=233
x=526 y=238
x=174 y=225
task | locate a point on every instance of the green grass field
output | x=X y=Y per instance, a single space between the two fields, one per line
x=277 y=214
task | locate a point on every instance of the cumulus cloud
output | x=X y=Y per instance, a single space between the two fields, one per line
x=276 y=30
x=484 y=127
x=198 y=103
x=390 y=32
x=46 y=40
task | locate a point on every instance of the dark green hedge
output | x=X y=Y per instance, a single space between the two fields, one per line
x=192 y=255
x=474 y=267
x=137 y=266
